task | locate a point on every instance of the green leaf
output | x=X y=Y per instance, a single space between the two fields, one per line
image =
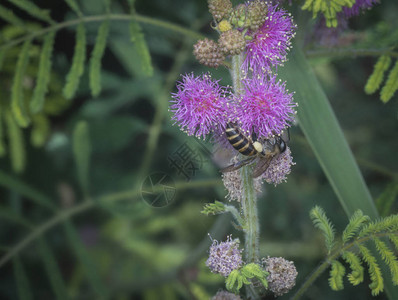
x=40 y=130
x=213 y=208
x=77 y=69
x=2 y=57
x=17 y=92
x=43 y=75
x=22 y=280
x=232 y=279
x=386 y=199
x=86 y=261
x=336 y=276
x=82 y=153
x=3 y=149
x=320 y=221
x=8 y=16
x=74 y=6
x=137 y=37
x=375 y=79
x=16 y=144
x=377 y=283
x=319 y=124
x=389 y=258
x=11 y=216
x=30 y=8
x=52 y=270
x=96 y=56
x=356 y=222
x=391 y=85
x=356 y=276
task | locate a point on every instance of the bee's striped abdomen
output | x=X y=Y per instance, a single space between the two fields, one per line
x=239 y=141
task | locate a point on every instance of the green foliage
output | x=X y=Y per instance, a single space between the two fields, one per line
x=82 y=153
x=17 y=92
x=320 y=221
x=386 y=199
x=329 y=9
x=213 y=208
x=375 y=79
x=16 y=144
x=74 y=6
x=356 y=222
x=8 y=16
x=33 y=10
x=95 y=60
x=391 y=85
x=43 y=75
x=77 y=68
x=355 y=236
x=337 y=273
x=238 y=277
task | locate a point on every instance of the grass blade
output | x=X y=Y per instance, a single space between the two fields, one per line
x=84 y=258
x=52 y=270
x=22 y=281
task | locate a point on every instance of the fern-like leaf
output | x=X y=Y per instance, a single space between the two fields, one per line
x=30 y=8
x=96 y=56
x=336 y=276
x=356 y=221
x=8 y=16
x=329 y=9
x=389 y=258
x=232 y=280
x=213 y=208
x=375 y=79
x=394 y=239
x=17 y=92
x=253 y=270
x=386 y=199
x=320 y=221
x=389 y=223
x=377 y=283
x=74 y=6
x=357 y=271
x=43 y=75
x=77 y=69
x=391 y=85
x=16 y=144
x=40 y=130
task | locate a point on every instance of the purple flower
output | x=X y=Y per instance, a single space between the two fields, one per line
x=224 y=257
x=271 y=42
x=264 y=107
x=279 y=168
x=282 y=274
x=358 y=6
x=199 y=105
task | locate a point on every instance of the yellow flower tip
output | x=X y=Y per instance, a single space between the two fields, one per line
x=224 y=25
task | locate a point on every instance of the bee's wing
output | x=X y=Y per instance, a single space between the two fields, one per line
x=238 y=165
x=262 y=165
x=285 y=135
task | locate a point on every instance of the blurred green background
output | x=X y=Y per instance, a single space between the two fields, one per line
x=75 y=219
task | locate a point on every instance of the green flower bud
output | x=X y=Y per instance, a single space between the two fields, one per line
x=220 y=8
x=208 y=53
x=232 y=42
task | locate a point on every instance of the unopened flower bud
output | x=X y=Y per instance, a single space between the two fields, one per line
x=239 y=16
x=208 y=53
x=224 y=25
x=282 y=274
x=220 y=8
x=257 y=14
x=224 y=295
x=232 y=42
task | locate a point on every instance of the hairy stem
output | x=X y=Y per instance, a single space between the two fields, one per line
x=249 y=201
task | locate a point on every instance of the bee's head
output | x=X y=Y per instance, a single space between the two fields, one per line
x=281 y=145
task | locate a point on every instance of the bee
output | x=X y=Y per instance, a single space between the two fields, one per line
x=262 y=152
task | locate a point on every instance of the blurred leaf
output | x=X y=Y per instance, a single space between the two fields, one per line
x=11 y=216
x=74 y=6
x=3 y=150
x=16 y=144
x=96 y=56
x=30 y=8
x=40 y=130
x=22 y=280
x=52 y=270
x=10 y=17
x=391 y=85
x=82 y=153
x=44 y=74
x=386 y=199
x=77 y=69
x=86 y=261
x=114 y=134
x=17 y=92
x=375 y=79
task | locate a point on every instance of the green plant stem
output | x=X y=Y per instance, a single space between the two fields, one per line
x=249 y=200
x=99 y=18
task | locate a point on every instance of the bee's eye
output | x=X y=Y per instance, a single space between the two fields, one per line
x=282 y=145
